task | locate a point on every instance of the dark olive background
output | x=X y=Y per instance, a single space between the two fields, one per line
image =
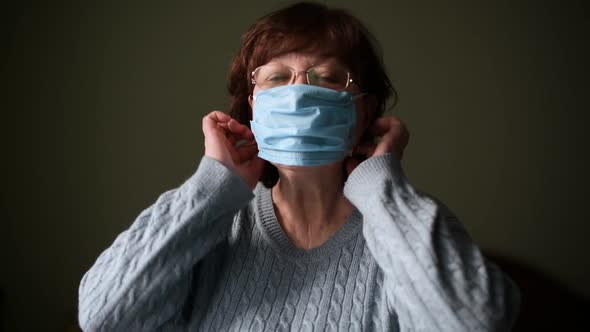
x=102 y=104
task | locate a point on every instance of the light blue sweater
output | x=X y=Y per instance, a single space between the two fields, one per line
x=211 y=256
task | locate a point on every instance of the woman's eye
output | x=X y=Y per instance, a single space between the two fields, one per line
x=276 y=78
x=328 y=78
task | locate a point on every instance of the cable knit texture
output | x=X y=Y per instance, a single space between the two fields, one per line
x=211 y=256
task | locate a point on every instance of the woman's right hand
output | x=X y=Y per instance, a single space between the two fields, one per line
x=222 y=132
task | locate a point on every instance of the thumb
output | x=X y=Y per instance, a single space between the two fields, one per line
x=257 y=165
x=255 y=168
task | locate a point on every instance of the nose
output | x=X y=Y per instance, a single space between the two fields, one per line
x=300 y=77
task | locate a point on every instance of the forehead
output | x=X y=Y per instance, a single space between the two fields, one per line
x=301 y=61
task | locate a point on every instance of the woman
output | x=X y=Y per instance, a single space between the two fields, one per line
x=284 y=226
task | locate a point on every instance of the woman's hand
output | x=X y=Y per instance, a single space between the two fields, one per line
x=221 y=135
x=391 y=135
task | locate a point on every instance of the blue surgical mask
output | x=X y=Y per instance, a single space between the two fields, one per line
x=303 y=125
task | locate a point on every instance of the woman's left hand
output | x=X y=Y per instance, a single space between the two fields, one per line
x=391 y=135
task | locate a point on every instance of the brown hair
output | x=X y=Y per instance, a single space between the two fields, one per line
x=307 y=28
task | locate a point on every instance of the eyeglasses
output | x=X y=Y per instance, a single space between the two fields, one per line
x=273 y=75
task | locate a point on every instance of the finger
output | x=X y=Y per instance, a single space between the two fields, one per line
x=247 y=152
x=219 y=116
x=394 y=136
x=238 y=142
x=384 y=124
x=239 y=129
x=236 y=130
x=386 y=144
x=245 y=142
x=231 y=138
x=396 y=141
x=212 y=120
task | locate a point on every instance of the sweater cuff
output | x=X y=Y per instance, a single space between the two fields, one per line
x=371 y=174
x=219 y=184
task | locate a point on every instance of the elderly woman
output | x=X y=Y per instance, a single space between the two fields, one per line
x=299 y=216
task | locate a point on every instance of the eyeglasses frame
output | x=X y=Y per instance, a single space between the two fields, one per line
x=349 y=79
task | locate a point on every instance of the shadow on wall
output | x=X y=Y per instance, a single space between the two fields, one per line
x=546 y=305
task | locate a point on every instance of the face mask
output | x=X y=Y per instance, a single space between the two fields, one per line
x=303 y=125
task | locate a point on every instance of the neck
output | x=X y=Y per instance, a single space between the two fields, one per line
x=310 y=204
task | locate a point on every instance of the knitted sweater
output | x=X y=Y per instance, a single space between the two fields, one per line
x=211 y=256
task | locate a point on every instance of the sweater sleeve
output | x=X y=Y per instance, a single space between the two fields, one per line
x=143 y=279
x=435 y=277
